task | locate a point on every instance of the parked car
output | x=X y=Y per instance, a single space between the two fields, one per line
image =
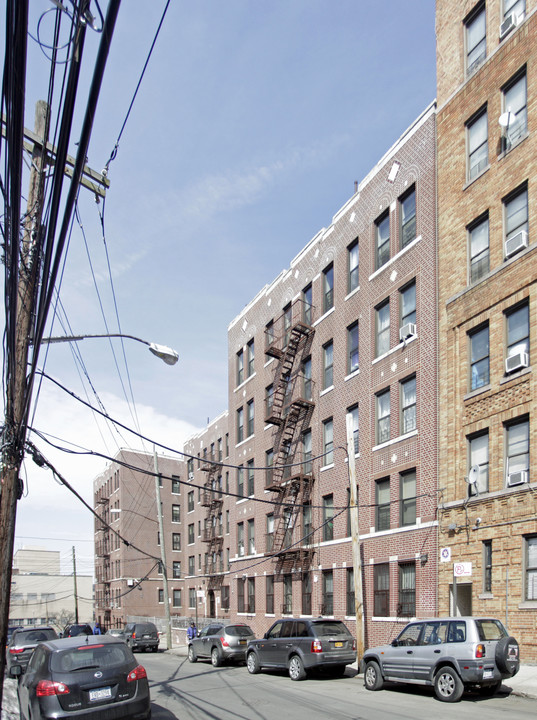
x=303 y=644
x=77 y=629
x=22 y=644
x=220 y=642
x=142 y=636
x=94 y=677
x=451 y=654
x=117 y=633
x=11 y=629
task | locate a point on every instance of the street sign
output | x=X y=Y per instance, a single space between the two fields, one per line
x=445 y=554
x=462 y=569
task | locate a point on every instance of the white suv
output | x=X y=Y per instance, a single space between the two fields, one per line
x=451 y=654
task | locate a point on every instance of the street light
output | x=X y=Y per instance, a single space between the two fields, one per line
x=169 y=356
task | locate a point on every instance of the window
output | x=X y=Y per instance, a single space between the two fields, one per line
x=250 y=595
x=328 y=288
x=328 y=441
x=382 y=240
x=250 y=350
x=478 y=147
x=176 y=598
x=328 y=592
x=408 y=405
x=306 y=453
x=382 y=490
x=517 y=449
x=287 y=322
x=514 y=102
x=269 y=462
x=287 y=594
x=350 y=597
x=328 y=517
x=518 y=330
x=478 y=237
x=269 y=594
x=530 y=566
x=269 y=400
x=240 y=595
x=328 y=365
x=381 y=592
x=516 y=213
x=161 y=596
x=250 y=477
x=353 y=256
x=240 y=481
x=176 y=513
x=307 y=307
x=191 y=533
x=269 y=334
x=240 y=367
x=383 y=417
x=225 y=597
x=479 y=358
x=240 y=425
x=407 y=590
x=407 y=304
x=352 y=348
x=251 y=537
x=176 y=569
x=306 y=524
x=353 y=412
x=270 y=532
x=190 y=501
x=306 y=594
x=191 y=566
x=190 y=467
x=250 y=417
x=176 y=485
x=306 y=373
x=487 y=566
x=407 y=216
x=476 y=38
x=382 y=328
x=478 y=456
x=408 y=498
x=240 y=539
x=176 y=541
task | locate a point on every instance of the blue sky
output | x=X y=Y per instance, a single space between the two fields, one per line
x=251 y=125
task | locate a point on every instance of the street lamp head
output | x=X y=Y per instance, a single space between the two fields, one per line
x=169 y=356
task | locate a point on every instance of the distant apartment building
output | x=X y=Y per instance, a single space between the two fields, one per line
x=128 y=568
x=487 y=165
x=350 y=328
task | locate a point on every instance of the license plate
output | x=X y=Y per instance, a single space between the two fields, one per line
x=147 y=636
x=487 y=674
x=242 y=642
x=100 y=694
x=338 y=644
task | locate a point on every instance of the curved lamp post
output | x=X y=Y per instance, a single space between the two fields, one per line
x=169 y=356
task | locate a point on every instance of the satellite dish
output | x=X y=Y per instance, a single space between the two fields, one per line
x=473 y=475
x=507 y=118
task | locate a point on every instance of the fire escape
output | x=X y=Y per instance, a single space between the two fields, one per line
x=289 y=408
x=213 y=531
x=102 y=551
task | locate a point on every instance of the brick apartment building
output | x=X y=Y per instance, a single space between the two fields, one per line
x=129 y=582
x=487 y=165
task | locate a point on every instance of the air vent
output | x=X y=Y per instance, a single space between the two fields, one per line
x=407 y=331
x=517 y=362
x=517 y=478
x=516 y=243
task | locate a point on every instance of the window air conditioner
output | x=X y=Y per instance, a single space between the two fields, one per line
x=508 y=24
x=516 y=362
x=406 y=331
x=516 y=243
x=191 y=476
x=517 y=478
x=130 y=582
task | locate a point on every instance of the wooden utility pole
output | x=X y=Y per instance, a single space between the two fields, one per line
x=356 y=552
x=75 y=587
x=163 y=555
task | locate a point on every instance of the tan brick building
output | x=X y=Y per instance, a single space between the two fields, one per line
x=487 y=165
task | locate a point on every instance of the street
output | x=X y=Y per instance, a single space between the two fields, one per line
x=197 y=691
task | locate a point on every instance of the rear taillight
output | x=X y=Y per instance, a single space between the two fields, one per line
x=354 y=645
x=224 y=642
x=45 y=688
x=316 y=646
x=480 y=651
x=16 y=651
x=137 y=674
x=133 y=635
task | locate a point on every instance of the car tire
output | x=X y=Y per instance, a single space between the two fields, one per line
x=216 y=657
x=372 y=676
x=490 y=690
x=448 y=685
x=252 y=663
x=155 y=648
x=507 y=657
x=192 y=657
x=296 y=668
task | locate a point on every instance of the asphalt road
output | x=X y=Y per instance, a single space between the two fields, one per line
x=186 y=691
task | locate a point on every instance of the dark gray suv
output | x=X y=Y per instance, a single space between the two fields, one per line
x=142 y=636
x=451 y=654
x=302 y=644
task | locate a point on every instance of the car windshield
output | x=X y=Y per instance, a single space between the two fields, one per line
x=490 y=630
x=33 y=636
x=239 y=630
x=91 y=656
x=328 y=627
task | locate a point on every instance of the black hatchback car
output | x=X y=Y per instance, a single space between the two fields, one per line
x=302 y=644
x=23 y=642
x=87 y=677
x=77 y=629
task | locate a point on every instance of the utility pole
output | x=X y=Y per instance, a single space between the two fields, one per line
x=76 y=592
x=163 y=554
x=355 y=534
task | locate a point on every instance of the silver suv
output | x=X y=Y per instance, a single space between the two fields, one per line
x=451 y=654
x=220 y=642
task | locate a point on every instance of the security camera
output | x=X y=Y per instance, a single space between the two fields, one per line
x=478 y=521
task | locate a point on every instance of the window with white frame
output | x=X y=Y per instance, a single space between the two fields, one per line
x=307 y=306
x=518 y=7
x=355 y=419
x=408 y=498
x=382 y=240
x=250 y=349
x=240 y=539
x=250 y=418
x=328 y=365
x=479 y=358
x=251 y=537
x=478 y=238
x=478 y=146
x=240 y=367
x=328 y=288
x=250 y=478
x=353 y=257
x=307 y=380
x=383 y=416
x=240 y=425
x=306 y=452
x=407 y=304
x=478 y=456
x=408 y=405
x=517 y=449
x=487 y=566
x=352 y=348
x=382 y=328
x=407 y=216
x=176 y=513
x=381 y=590
x=407 y=589
x=518 y=331
x=382 y=492
x=328 y=517
x=476 y=38
x=240 y=481
x=530 y=567
x=328 y=442
x=515 y=104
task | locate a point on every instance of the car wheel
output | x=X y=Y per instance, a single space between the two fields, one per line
x=155 y=648
x=507 y=656
x=490 y=690
x=192 y=654
x=372 y=676
x=296 y=668
x=252 y=663
x=216 y=657
x=448 y=685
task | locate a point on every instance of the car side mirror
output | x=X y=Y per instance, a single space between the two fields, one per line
x=265 y=636
x=16 y=670
x=395 y=643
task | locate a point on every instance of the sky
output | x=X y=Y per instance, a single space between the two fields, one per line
x=252 y=123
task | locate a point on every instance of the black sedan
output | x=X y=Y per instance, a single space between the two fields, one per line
x=91 y=677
